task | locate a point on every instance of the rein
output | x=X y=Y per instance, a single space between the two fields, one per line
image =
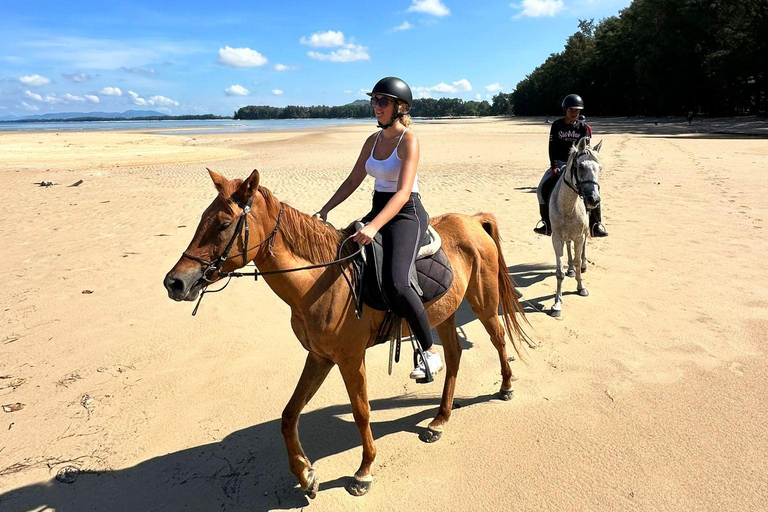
x=214 y=267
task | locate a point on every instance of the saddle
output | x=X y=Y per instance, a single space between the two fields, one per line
x=431 y=274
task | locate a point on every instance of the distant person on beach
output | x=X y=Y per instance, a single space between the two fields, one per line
x=565 y=132
x=690 y=118
x=391 y=156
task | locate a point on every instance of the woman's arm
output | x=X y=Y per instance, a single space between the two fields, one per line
x=350 y=184
x=409 y=149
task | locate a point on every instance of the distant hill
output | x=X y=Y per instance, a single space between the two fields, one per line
x=360 y=102
x=128 y=114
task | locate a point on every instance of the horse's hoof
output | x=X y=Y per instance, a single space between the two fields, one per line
x=571 y=273
x=555 y=313
x=430 y=436
x=358 y=488
x=584 y=292
x=506 y=394
x=313 y=484
x=583 y=269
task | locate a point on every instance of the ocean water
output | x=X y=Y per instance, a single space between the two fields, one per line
x=185 y=127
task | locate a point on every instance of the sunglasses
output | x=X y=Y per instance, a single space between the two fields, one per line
x=381 y=101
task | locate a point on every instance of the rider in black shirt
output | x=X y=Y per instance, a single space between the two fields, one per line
x=564 y=134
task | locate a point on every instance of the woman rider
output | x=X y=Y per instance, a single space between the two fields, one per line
x=565 y=133
x=391 y=156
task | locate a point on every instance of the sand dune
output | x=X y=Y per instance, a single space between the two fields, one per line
x=647 y=395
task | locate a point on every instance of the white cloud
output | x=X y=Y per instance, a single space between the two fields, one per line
x=277 y=92
x=70 y=98
x=34 y=80
x=496 y=86
x=403 y=26
x=329 y=39
x=462 y=85
x=111 y=91
x=283 y=67
x=162 y=101
x=32 y=108
x=423 y=95
x=137 y=100
x=350 y=53
x=347 y=92
x=538 y=8
x=33 y=95
x=478 y=97
x=140 y=71
x=241 y=57
x=76 y=76
x=236 y=90
x=433 y=7
x=92 y=98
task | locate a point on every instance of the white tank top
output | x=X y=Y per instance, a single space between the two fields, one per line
x=387 y=172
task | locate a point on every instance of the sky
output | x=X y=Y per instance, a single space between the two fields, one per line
x=196 y=57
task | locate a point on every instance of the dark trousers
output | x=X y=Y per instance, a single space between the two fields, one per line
x=400 y=240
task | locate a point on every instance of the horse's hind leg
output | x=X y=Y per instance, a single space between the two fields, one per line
x=557 y=243
x=571 y=270
x=353 y=373
x=315 y=371
x=452 y=349
x=579 y=247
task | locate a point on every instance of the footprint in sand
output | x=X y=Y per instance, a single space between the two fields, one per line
x=736 y=368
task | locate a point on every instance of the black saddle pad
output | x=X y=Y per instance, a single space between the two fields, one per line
x=431 y=277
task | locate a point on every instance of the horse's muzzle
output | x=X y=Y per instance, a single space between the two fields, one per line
x=592 y=200
x=182 y=286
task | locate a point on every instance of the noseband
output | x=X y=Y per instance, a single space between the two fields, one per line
x=214 y=267
x=577 y=186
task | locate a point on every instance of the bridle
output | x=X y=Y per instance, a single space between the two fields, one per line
x=212 y=268
x=577 y=186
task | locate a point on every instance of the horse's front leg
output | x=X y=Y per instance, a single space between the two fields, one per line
x=584 y=255
x=571 y=270
x=579 y=248
x=315 y=371
x=557 y=243
x=353 y=373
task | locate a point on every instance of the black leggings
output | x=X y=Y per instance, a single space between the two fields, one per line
x=401 y=238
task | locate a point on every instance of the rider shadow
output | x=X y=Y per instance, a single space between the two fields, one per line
x=247 y=470
x=526 y=275
x=528 y=190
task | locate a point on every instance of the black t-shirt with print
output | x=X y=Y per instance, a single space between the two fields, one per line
x=562 y=136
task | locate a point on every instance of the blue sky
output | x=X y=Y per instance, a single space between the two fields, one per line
x=214 y=57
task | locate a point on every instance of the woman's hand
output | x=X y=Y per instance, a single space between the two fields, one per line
x=365 y=235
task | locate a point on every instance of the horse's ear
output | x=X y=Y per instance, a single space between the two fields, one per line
x=582 y=144
x=250 y=185
x=599 y=145
x=219 y=181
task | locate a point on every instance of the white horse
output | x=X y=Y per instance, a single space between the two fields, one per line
x=575 y=193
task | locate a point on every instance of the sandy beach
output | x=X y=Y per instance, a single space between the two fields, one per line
x=647 y=395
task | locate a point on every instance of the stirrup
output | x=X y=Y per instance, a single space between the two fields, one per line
x=594 y=226
x=543 y=230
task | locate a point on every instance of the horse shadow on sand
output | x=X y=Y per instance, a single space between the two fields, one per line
x=247 y=470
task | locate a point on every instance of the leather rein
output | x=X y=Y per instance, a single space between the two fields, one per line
x=214 y=267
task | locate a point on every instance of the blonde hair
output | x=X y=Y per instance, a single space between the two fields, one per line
x=405 y=118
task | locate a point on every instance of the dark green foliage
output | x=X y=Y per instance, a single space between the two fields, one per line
x=444 y=107
x=659 y=57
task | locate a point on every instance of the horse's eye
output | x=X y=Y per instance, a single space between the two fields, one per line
x=224 y=226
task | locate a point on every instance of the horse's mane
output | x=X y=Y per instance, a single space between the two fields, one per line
x=307 y=237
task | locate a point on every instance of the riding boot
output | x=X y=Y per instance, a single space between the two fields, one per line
x=546 y=227
x=596 y=227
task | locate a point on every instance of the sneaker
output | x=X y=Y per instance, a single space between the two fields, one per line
x=598 y=230
x=435 y=364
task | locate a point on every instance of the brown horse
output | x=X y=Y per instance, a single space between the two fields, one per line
x=322 y=307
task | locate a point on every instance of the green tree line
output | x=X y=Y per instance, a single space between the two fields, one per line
x=659 y=57
x=425 y=107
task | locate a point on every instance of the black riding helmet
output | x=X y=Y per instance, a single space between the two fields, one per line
x=573 y=101
x=397 y=89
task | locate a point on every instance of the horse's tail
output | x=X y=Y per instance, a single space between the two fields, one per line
x=507 y=296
